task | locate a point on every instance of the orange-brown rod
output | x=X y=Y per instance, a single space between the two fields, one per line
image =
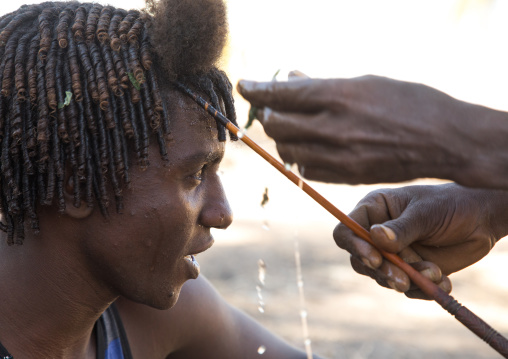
x=427 y=286
x=464 y=315
x=461 y=313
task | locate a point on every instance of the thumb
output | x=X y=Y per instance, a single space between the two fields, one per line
x=397 y=234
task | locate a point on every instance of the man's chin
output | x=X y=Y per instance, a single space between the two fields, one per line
x=161 y=300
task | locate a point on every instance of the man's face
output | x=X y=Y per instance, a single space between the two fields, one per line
x=144 y=253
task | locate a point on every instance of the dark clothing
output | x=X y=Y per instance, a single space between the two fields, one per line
x=112 y=341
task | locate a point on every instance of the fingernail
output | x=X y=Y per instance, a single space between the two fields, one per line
x=445 y=285
x=297 y=75
x=391 y=284
x=367 y=263
x=390 y=234
x=428 y=273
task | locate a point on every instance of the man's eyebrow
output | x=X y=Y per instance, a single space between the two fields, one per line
x=203 y=157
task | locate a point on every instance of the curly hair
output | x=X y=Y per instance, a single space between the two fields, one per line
x=79 y=96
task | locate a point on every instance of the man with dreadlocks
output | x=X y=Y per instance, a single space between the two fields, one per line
x=90 y=120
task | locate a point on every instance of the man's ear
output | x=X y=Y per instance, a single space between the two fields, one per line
x=71 y=210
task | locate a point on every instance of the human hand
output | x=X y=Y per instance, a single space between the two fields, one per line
x=438 y=229
x=373 y=129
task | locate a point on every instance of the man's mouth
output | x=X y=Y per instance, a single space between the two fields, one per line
x=193 y=265
x=192 y=259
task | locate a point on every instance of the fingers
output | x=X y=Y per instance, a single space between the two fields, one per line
x=372 y=209
x=414 y=223
x=367 y=260
x=444 y=283
x=386 y=275
x=357 y=247
x=307 y=95
x=404 y=235
x=429 y=270
x=390 y=276
x=292 y=127
x=321 y=174
x=455 y=257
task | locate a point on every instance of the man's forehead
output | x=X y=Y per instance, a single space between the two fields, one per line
x=178 y=99
x=193 y=131
x=181 y=104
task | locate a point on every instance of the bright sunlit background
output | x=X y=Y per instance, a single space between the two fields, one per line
x=457 y=46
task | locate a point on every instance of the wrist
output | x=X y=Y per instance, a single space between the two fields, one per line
x=479 y=147
x=497 y=203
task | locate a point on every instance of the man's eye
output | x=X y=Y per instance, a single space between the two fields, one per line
x=199 y=174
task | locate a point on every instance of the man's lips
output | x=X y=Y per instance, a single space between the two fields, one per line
x=201 y=248
x=191 y=258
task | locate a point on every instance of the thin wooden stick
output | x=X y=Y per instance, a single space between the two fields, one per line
x=461 y=313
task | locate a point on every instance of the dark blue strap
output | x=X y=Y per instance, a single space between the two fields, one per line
x=4 y=354
x=112 y=340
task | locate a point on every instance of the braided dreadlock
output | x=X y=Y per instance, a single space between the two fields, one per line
x=79 y=96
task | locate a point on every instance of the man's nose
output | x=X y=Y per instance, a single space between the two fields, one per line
x=217 y=212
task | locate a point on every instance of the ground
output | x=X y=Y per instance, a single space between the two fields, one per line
x=349 y=316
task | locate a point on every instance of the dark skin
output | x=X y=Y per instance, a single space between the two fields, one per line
x=440 y=229
x=61 y=281
x=373 y=129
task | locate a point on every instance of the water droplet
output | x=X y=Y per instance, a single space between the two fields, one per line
x=261 y=350
x=261 y=271
x=303 y=312
x=240 y=134
x=260 y=286
x=287 y=166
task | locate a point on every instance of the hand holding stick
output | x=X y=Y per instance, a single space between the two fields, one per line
x=461 y=313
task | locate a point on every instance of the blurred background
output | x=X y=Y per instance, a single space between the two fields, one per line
x=457 y=46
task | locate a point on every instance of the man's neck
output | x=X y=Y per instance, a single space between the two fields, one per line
x=50 y=303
